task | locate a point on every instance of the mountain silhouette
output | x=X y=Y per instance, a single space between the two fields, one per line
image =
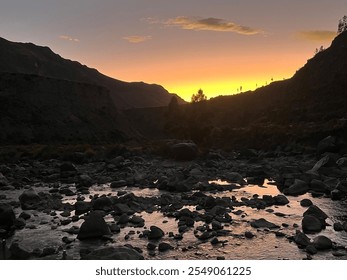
x=310 y=105
x=27 y=58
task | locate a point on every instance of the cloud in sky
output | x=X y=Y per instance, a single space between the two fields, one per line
x=68 y=38
x=137 y=39
x=317 y=35
x=211 y=24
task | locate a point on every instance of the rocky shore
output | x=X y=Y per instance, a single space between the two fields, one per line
x=241 y=205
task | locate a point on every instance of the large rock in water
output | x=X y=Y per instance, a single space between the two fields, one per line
x=29 y=199
x=184 y=151
x=315 y=211
x=113 y=253
x=322 y=242
x=298 y=188
x=7 y=216
x=262 y=223
x=311 y=224
x=155 y=233
x=301 y=239
x=93 y=227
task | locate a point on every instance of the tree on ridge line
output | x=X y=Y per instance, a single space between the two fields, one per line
x=198 y=97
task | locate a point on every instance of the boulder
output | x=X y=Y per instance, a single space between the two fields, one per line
x=120 y=208
x=328 y=144
x=322 y=242
x=118 y=184
x=301 y=239
x=164 y=247
x=155 y=233
x=82 y=207
x=318 y=186
x=311 y=224
x=338 y=226
x=311 y=249
x=7 y=216
x=234 y=177
x=184 y=151
x=113 y=253
x=281 y=200
x=306 y=202
x=84 y=180
x=103 y=203
x=315 y=211
x=262 y=223
x=325 y=162
x=18 y=252
x=298 y=188
x=29 y=199
x=93 y=227
x=249 y=234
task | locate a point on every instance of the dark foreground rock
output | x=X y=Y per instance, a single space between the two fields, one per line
x=7 y=216
x=93 y=227
x=155 y=233
x=262 y=223
x=112 y=253
x=301 y=239
x=29 y=199
x=322 y=242
x=311 y=224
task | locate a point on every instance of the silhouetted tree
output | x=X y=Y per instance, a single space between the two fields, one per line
x=319 y=50
x=342 y=27
x=200 y=96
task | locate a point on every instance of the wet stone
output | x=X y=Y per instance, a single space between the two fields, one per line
x=25 y=216
x=249 y=235
x=311 y=224
x=155 y=233
x=301 y=239
x=93 y=227
x=306 y=202
x=163 y=247
x=262 y=223
x=311 y=249
x=338 y=226
x=322 y=242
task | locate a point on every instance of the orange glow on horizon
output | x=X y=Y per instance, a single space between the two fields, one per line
x=218 y=75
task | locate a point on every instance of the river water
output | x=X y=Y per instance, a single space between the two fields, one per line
x=265 y=244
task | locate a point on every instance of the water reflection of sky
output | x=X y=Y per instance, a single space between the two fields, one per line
x=264 y=246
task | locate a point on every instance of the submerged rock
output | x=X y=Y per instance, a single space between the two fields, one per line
x=262 y=223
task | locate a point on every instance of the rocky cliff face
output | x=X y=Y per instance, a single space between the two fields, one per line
x=35 y=109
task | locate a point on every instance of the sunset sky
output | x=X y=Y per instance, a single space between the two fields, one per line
x=183 y=45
